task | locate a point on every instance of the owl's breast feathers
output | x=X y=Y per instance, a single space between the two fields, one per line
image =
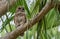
x=20 y=14
x=19 y=17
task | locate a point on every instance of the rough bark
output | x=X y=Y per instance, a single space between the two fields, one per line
x=14 y=34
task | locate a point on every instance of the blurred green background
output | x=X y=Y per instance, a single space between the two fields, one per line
x=47 y=28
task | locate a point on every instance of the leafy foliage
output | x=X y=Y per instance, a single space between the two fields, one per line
x=46 y=28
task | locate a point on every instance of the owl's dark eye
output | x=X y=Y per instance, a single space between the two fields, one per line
x=22 y=8
x=19 y=8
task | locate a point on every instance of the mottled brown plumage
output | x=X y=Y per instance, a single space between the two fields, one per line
x=20 y=17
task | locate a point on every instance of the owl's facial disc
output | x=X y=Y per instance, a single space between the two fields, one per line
x=21 y=9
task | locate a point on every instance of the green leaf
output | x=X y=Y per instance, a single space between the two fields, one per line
x=5 y=23
x=26 y=8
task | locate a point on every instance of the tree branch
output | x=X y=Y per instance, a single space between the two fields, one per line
x=4 y=4
x=14 y=34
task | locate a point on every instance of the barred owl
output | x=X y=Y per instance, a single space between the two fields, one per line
x=20 y=17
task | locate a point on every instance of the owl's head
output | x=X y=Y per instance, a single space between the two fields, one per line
x=20 y=8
